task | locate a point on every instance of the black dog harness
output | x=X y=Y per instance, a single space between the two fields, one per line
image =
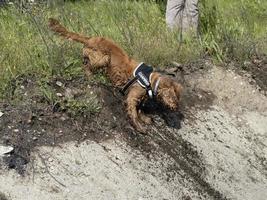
x=142 y=74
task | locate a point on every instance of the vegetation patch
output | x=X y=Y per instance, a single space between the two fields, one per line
x=230 y=32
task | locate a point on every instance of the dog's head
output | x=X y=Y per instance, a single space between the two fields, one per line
x=169 y=92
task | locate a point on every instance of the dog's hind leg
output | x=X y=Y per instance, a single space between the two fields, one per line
x=94 y=60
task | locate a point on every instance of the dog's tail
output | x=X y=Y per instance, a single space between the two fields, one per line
x=55 y=26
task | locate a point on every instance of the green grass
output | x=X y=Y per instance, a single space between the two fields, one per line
x=28 y=47
x=229 y=32
x=234 y=30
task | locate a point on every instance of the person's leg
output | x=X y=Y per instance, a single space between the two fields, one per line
x=190 y=17
x=174 y=11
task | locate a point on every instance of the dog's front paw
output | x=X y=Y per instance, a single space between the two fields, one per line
x=147 y=120
x=139 y=126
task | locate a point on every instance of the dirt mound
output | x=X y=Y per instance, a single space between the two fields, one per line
x=212 y=149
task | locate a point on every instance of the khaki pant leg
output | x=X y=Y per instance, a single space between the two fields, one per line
x=182 y=14
x=190 y=16
x=174 y=13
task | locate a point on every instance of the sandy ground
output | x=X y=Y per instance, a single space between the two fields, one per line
x=220 y=152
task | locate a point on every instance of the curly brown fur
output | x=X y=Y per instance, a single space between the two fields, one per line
x=102 y=53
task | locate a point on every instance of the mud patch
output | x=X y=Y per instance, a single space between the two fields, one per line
x=256 y=69
x=36 y=123
x=16 y=161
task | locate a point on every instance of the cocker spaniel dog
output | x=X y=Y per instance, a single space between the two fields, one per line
x=137 y=79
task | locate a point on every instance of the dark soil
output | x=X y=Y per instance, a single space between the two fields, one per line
x=256 y=68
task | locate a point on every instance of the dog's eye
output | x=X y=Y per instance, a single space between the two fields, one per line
x=85 y=60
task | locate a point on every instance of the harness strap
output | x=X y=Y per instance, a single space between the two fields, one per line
x=125 y=88
x=156 y=87
x=151 y=93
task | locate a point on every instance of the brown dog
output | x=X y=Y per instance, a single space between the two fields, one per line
x=99 y=52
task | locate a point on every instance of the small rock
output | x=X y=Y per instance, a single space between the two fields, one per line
x=58 y=83
x=16 y=130
x=172 y=70
x=35 y=138
x=78 y=162
x=117 y=158
x=5 y=150
x=59 y=94
x=62 y=118
x=1 y=114
x=176 y=64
